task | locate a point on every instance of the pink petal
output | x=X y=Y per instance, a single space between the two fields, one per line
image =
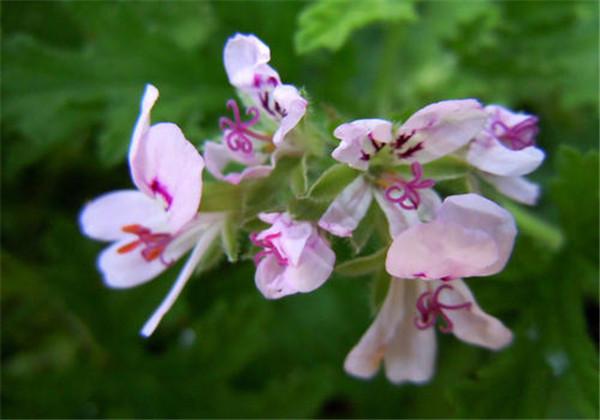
x=218 y=156
x=170 y=167
x=293 y=237
x=471 y=236
x=516 y=187
x=270 y=280
x=411 y=354
x=314 y=267
x=354 y=138
x=141 y=128
x=244 y=57
x=489 y=155
x=294 y=105
x=473 y=325
x=104 y=217
x=442 y=127
x=348 y=209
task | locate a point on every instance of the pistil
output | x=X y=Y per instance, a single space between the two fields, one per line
x=430 y=307
x=238 y=134
x=405 y=193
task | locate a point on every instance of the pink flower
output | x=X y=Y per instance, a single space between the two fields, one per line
x=430 y=133
x=470 y=236
x=403 y=336
x=274 y=110
x=396 y=196
x=505 y=151
x=152 y=226
x=294 y=257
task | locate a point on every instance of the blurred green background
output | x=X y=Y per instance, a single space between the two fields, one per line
x=72 y=78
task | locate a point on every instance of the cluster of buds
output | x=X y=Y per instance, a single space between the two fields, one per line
x=431 y=243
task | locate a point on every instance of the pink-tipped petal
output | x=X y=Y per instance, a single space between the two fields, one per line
x=441 y=128
x=355 y=143
x=141 y=128
x=218 y=157
x=294 y=105
x=244 y=57
x=472 y=325
x=347 y=210
x=171 y=169
x=471 y=236
x=411 y=354
x=489 y=155
x=314 y=267
x=516 y=187
x=104 y=218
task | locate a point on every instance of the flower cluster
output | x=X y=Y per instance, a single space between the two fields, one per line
x=431 y=244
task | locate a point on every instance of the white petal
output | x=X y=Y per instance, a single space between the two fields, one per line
x=170 y=169
x=104 y=217
x=294 y=105
x=129 y=269
x=314 y=267
x=218 y=156
x=364 y=359
x=442 y=127
x=516 y=187
x=491 y=156
x=473 y=325
x=244 y=56
x=141 y=128
x=355 y=140
x=347 y=210
x=411 y=354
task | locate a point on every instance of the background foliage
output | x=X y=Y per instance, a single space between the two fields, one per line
x=73 y=73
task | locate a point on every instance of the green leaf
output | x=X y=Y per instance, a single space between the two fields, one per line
x=329 y=23
x=299 y=177
x=229 y=238
x=362 y=265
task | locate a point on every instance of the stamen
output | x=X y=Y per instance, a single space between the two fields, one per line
x=153 y=244
x=429 y=308
x=518 y=136
x=237 y=132
x=406 y=193
x=269 y=248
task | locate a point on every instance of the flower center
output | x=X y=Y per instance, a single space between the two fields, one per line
x=238 y=134
x=265 y=87
x=430 y=307
x=518 y=136
x=405 y=193
x=399 y=149
x=376 y=147
x=153 y=244
x=269 y=248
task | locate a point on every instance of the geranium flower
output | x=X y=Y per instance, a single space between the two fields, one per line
x=430 y=133
x=156 y=224
x=468 y=236
x=294 y=258
x=274 y=109
x=505 y=151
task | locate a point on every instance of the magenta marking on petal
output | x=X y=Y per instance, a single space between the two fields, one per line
x=429 y=307
x=420 y=275
x=405 y=193
x=158 y=188
x=237 y=132
x=154 y=244
x=269 y=248
x=517 y=137
x=410 y=152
